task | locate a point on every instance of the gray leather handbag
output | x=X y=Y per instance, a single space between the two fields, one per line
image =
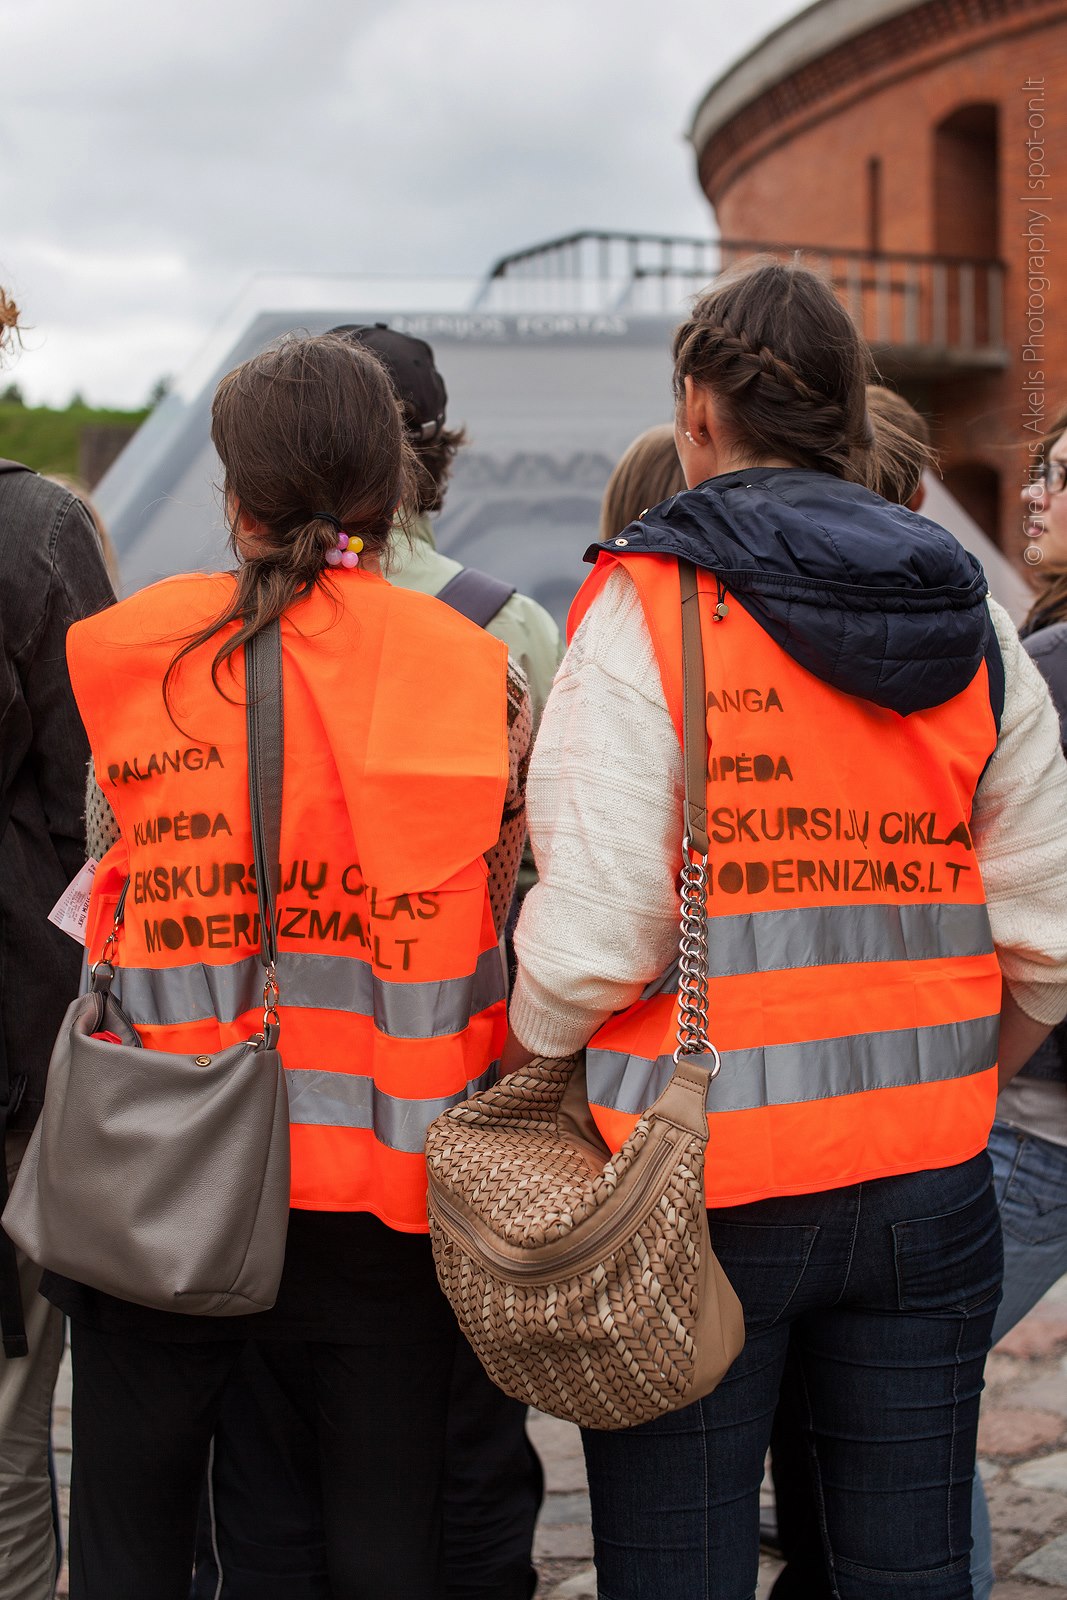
x=164 y=1178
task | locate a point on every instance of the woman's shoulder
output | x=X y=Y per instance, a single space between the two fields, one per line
x=1047 y=641
x=167 y=609
x=423 y=624
x=1047 y=649
x=612 y=635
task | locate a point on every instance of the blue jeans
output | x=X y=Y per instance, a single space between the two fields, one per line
x=886 y=1292
x=1030 y=1175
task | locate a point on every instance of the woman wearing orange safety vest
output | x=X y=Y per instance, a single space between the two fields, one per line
x=401 y=827
x=884 y=788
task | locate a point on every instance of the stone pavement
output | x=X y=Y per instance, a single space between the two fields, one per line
x=1023 y=1446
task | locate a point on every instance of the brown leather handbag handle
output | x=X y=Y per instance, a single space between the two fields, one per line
x=694 y=712
x=693 y=1020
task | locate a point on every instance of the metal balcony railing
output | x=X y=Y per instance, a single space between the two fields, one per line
x=934 y=309
x=609 y=256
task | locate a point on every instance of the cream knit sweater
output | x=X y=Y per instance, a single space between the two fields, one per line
x=604 y=801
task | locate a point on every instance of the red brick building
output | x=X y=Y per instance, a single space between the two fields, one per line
x=918 y=150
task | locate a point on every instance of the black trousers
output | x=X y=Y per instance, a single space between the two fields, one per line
x=143 y=1416
x=261 y=1525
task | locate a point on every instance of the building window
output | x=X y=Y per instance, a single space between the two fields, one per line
x=967 y=184
x=874 y=205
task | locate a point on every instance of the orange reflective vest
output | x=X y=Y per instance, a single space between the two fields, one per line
x=391 y=979
x=854 y=993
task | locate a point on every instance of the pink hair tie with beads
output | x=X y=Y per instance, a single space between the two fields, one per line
x=345 y=552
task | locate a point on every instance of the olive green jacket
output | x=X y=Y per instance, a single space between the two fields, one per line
x=532 y=638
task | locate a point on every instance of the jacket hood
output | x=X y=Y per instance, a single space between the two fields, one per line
x=875 y=600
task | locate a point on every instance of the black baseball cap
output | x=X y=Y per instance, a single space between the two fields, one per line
x=410 y=364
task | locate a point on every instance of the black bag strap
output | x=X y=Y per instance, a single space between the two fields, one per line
x=476 y=595
x=13 y=466
x=266 y=759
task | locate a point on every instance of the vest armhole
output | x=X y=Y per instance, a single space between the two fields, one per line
x=994 y=661
x=994 y=666
x=660 y=596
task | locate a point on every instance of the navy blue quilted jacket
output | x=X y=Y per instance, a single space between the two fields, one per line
x=872 y=598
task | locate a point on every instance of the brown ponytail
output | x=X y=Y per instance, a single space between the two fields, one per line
x=647 y=473
x=310 y=426
x=784 y=362
x=901 y=451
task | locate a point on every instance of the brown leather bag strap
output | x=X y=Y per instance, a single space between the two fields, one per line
x=693 y=1020
x=694 y=713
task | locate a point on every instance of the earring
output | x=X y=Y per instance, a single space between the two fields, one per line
x=689 y=436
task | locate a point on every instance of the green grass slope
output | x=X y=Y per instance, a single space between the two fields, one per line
x=47 y=440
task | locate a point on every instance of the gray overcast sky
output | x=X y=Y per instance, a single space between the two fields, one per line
x=155 y=156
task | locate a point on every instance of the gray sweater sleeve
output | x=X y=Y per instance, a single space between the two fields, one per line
x=1020 y=809
x=1047 y=649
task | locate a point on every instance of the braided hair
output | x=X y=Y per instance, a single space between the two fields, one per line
x=785 y=363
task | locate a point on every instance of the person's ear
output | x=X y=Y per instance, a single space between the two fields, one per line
x=246 y=530
x=699 y=434
x=917 y=499
x=697 y=405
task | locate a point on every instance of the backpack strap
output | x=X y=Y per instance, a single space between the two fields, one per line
x=476 y=595
x=13 y=466
x=479 y=597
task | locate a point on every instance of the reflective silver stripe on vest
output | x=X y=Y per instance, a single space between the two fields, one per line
x=831 y=936
x=339 y=1100
x=165 y=997
x=818 y=1069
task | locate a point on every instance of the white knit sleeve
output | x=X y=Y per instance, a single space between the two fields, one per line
x=604 y=803
x=1019 y=825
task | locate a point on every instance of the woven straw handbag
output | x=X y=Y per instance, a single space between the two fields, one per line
x=586 y=1282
